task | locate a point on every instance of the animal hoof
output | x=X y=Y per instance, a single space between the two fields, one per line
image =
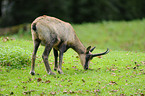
x=55 y=69
x=32 y=73
x=60 y=72
x=51 y=73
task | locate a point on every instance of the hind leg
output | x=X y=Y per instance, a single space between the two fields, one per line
x=36 y=45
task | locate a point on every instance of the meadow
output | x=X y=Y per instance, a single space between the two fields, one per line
x=120 y=72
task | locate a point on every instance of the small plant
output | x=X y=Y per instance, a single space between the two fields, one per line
x=15 y=57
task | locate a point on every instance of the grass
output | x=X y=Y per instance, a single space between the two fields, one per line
x=122 y=35
x=120 y=72
x=14 y=56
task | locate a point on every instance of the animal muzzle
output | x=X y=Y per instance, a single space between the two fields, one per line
x=86 y=67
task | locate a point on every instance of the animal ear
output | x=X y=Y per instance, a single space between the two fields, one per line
x=92 y=49
x=88 y=49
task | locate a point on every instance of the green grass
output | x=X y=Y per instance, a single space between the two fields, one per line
x=120 y=72
x=122 y=35
x=14 y=56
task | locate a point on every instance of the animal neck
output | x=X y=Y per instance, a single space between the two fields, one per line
x=79 y=47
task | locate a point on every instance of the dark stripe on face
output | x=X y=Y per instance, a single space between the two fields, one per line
x=87 y=62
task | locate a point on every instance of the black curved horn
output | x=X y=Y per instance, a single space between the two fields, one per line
x=92 y=49
x=99 y=54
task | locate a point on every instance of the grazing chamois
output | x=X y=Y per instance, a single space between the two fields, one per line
x=59 y=35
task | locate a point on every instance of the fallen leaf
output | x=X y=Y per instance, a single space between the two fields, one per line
x=142 y=94
x=137 y=65
x=122 y=95
x=52 y=93
x=114 y=90
x=76 y=69
x=30 y=79
x=143 y=62
x=24 y=82
x=71 y=92
x=73 y=66
x=60 y=85
x=141 y=70
x=114 y=74
x=98 y=68
x=98 y=90
x=24 y=87
x=16 y=86
x=64 y=92
x=87 y=91
x=79 y=91
x=47 y=81
x=5 y=39
x=128 y=67
x=42 y=94
x=113 y=69
x=28 y=92
x=83 y=80
x=112 y=83
x=62 y=80
x=69 y=80
x=39 y=79
x=134 y=67
x=99 y=82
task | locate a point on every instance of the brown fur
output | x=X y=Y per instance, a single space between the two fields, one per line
x=59 y=35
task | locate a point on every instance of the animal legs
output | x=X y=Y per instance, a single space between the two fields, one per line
x=56 y=58
x=36 y=45
x=61 y=49
x=45 y=55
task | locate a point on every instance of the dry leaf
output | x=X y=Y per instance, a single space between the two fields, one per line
x=83 y=80
x=98 y=90
x=52 y=93
x=114 y=90
x=39 y=79
x=73 y=66
x=28 y=92
x=64 y=92
x=87 y=91
x=71 y=92
x=47 y=81
x=142 y=94
x=112 y=83
x=134 y=67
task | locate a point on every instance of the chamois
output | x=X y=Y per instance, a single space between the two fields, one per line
x=59 y=35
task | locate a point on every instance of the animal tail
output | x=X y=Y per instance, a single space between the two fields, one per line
x=34 y=27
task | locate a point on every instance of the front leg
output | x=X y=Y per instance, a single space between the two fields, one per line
x=62 y=49
x=60 y=63
x=56 y=58
x=45 y=55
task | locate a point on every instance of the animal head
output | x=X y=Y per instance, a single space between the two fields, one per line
x=87 y=56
